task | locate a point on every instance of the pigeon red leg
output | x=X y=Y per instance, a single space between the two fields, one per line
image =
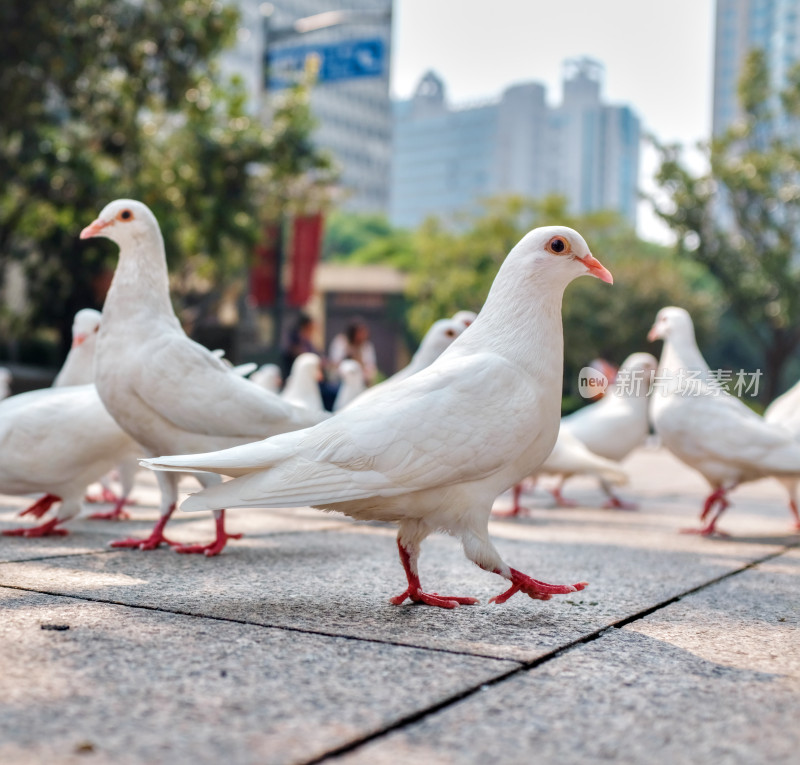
x=154 y=540
x=615 y=503
x=533 y=587
x=414 y=590
x=41 y=506
x=518 y=509
x=47 y=529
x=561 y=500
x=217 y=546
x=119 y=513
x=795 y=513
x=716 y=499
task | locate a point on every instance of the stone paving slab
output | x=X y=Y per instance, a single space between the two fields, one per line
x=712 y=678
x=124 y=685
x=339 y=582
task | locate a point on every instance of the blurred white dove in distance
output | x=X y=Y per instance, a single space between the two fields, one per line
x=434 y=450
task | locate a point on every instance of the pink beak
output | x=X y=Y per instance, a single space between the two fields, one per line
x=78 y=340
x=596 y=268
x=94 y=228
x=652 y=335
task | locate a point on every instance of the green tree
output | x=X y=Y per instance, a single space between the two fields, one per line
x=740 y=219
x=120 y=98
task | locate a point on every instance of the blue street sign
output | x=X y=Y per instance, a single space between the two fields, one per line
x=344 y=60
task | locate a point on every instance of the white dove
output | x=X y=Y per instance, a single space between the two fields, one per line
x=78 y=368
x=785 y=411
x=302 y=384
x=707 y=428
x=464 y=318
x=352 y=384
x=168 y=392
x=570 y=457
x=616 y=424
x=57 y=440
x=433 y=451
x=268 y=376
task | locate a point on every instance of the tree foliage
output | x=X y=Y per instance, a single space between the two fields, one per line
x=119 y=98
x=741 y=219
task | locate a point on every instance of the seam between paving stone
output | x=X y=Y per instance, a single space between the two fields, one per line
x=263 y=625
x=56 y=557
x=535 y=663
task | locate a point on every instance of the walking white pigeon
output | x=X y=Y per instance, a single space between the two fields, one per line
x=268 y=376
x=302 y=384
x=78 y=367
x=433 y=451
x=616 y=424
x=570 y=457
x=785 y=411
x=57 y=440
x=352 y=384
x=168 y=392
x=707 y=428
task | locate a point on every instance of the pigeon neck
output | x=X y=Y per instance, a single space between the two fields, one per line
x=681 y=352
x=140 y=282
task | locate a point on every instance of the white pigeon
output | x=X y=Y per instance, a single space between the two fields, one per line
x=785 y=411
x=268 y=376
x=707 y=428
x=168 y=392
x=352 y=384
x=571 y=457
x=5 y=383
x=616 y=424
x=302 y=384
x=240 y=369
x=78 y=368
x=57 y=440
x=433 y=451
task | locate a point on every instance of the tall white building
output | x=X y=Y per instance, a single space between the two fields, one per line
x=446 y=159
x=741 y=25
x=354 y=115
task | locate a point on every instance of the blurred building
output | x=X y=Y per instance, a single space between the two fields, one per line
x=353 y=112
x=741 y=25
x=446 y=159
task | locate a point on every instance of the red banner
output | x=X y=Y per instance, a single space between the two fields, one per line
x=306 y=247
x=264 y=273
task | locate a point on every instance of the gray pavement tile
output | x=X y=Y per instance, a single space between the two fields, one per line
x=128 y=686
x=339 y=582
x=712 y=678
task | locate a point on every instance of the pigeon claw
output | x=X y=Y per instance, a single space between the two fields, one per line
x=215 y=548
x=615 y=503
x=535 y=589
x=45 y=530
x=432 y=599
x=151 y=543
x=706 y=531
x=119 y=513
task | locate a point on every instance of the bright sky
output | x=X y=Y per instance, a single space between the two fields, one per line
x=658 y=57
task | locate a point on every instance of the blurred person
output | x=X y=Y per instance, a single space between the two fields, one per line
x=354 y=343
x=301 y=340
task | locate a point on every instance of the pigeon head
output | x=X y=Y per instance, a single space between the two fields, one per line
x=671 y=322
x=439 y=337
x=307 y=366
x=465 y=318
x=350 y=371
x=122 y=221
x=85 y=324
x=640 y=362
x=558 y=253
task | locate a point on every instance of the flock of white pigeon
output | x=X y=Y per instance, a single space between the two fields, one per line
x=475 y=413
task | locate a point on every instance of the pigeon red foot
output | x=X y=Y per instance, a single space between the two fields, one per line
x=715 y=499
x=795 y=513
x=48 y=529
x=414 y=590
x=534 y=588
x=119 y=513
x=106 y=495
x=561 y=500
x=517 y=510
x=41 y=506
x=155 y=539
x=615 y=503
x=217 y=546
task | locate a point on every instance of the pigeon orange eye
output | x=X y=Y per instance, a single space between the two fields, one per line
x=557 y=245
x=125 y=215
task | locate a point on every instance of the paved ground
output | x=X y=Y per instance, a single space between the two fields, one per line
x=285 y=649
